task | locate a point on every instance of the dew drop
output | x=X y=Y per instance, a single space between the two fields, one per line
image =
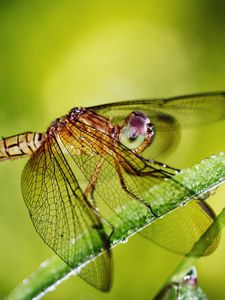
x=43 y=264
x=52 y=288
x=26 y=281
x=124 y=241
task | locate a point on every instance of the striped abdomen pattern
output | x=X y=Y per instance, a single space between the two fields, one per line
x=20 y=145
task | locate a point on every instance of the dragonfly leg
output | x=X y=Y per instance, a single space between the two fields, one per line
x=124 y=187
x=93 y=180
x=89 y=192
x=163 y=165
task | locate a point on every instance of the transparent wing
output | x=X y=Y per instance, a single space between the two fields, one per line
x=179 y=230
x=188 y=110
x=62 y=215
x=169 y=115
x=110 y=193
x=123 y=176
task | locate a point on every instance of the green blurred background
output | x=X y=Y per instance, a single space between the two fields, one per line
x=55 y=55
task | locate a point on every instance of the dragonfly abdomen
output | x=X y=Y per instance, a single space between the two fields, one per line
x=20 y=145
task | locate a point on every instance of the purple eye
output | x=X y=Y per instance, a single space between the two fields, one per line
x=139 y=124
x=135 y=130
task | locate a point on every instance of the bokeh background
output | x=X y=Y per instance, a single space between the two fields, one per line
x=55 y=55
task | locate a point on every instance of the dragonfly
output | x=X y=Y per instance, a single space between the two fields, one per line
x=93 y=161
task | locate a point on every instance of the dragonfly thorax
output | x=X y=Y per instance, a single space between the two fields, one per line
x=88 y=120
x=56 y=125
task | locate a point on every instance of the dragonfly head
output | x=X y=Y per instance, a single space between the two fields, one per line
x=137 y=132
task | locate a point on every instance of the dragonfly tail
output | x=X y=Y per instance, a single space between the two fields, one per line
x=20 y=145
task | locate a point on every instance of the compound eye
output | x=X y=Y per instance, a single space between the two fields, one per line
x=134 y=131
